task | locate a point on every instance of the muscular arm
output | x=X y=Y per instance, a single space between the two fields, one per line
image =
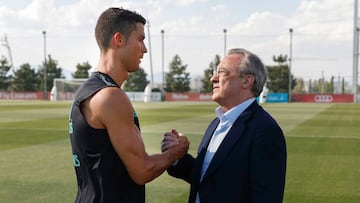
x=110 y=108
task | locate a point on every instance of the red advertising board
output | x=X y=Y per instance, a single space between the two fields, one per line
x=22 y=95
x=314 y=98
x=323 y=98
x=172 y=96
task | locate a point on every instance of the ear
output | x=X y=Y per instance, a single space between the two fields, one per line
x=248 y=81
x=118 y=39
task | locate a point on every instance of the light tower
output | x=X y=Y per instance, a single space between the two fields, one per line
x=355 y=51
x=290 y=63
x=225 y=31
x=5 y=43
x=45 y=65
x=162 y=58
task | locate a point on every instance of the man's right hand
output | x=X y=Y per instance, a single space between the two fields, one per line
x=175 y=143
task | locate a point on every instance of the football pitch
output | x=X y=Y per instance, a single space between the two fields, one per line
x=323 y=145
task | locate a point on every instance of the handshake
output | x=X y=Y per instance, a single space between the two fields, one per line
x=174 y=143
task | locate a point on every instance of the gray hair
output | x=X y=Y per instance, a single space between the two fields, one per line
x=251 y=65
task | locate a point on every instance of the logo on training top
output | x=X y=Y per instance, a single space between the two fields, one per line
x=70 y=127
x=70 y=123
x=76 y=160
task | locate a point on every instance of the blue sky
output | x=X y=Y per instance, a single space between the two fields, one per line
x=322 y=37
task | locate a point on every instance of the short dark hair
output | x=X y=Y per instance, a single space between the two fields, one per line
x=115 y=20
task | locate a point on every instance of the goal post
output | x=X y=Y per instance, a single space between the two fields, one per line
x=65 y=89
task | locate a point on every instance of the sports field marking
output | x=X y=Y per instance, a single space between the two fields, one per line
x=321 y=136
x=34 y=129
x=150 y=132
x=146 y=132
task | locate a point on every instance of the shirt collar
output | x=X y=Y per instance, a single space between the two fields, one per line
x=232 y=114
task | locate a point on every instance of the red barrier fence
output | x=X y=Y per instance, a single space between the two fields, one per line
x=323 y=98
x=172 y=96
x=314 y=98
x=23 y=95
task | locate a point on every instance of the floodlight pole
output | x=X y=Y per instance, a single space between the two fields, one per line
x=355 y=51
x=225 y=31
x=162 y=58
x=290 y=63
x=45 y=65
x=7 y=46
x=150 y=57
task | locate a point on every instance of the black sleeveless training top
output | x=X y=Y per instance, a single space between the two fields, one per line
x=101 y=175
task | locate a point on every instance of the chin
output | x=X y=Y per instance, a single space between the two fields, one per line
x=214 y=98
x=134 y=69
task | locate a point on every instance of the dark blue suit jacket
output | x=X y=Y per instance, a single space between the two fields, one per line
x=249 y=165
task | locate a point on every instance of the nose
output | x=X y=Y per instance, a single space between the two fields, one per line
x=214 y=78
x=145 y=49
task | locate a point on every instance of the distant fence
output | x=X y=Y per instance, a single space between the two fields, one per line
x=276 y=97
x=172 y=96
x=323 y=98
x=140 y=96
x=23 y=95
x=133 y=96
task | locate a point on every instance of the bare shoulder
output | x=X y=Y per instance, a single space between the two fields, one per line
x=110 y=105
x=111 y=96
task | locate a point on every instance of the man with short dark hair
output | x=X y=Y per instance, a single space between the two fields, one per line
x=109 y=155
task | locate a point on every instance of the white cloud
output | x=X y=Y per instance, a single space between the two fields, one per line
x=265 y=23
x=189 y=2
x=219 y=8
x=322 y=37
x=38 y=10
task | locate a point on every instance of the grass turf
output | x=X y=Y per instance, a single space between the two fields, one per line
x=323 y=146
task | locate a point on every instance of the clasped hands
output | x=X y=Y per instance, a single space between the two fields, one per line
x=175 y=143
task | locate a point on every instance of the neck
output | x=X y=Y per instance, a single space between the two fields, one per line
x=110 y=67
x=225 y=106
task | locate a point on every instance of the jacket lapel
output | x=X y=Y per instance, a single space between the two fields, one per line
x=203 y=147
x=208 y=134
x=200 y=158
x=230 y=139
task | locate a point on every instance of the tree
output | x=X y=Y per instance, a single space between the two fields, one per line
x=136 y=81
x=52 y=71
x=322 y=86
x=5 y=80
x=25 y=79
x=300 y=87
x=82 y=70
x=331 y=85
x=207 y=85
x=278 y=75
x=177 y=79
x=281 y=59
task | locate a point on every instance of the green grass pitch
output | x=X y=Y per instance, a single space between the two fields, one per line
x=323 y=144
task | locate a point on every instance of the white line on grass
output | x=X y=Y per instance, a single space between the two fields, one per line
x=322 y=136
x=35 y=129
x=295 y=136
